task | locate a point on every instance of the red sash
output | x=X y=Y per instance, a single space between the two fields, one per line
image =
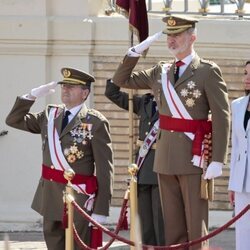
x=198 y=127
x=57 y=176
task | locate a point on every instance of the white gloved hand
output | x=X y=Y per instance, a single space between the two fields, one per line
x=101 y=219
x=44 y=90
x=139 y=48
x=214 y=170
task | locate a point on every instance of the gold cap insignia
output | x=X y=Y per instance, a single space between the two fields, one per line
x=66 y=73
x=171 y=22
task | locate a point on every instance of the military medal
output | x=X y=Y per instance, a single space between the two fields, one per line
x=73 y=153
x=191 y=93
x=89 y=127
x=81 y=133
x=143 y=150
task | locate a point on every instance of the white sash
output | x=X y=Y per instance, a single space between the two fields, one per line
x=177 y=108
x=58 y=159
x=147 y=143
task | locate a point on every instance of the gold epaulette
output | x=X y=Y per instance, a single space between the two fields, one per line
x=208 y=62
x=97 y=114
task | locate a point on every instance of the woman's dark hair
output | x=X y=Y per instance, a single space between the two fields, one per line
x=247 y=91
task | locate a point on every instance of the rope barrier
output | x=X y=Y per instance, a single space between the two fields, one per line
x=177 y=246
x=104 y=229
x=116 y=231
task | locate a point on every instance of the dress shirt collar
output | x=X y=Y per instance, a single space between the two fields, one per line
x=188 y=59
x=73 y=111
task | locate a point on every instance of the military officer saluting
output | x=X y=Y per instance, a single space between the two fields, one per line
x=186 y=91
x=76 y=138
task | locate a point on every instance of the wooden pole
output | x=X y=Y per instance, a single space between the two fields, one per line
x=132 y=167
x=130 y=110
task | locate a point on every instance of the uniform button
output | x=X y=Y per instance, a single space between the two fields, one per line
x=245 y=151
x=149 y=123
x=172 y=131
x=52 y=167
x=50 y=179
x=146 y=133
x=245 y=136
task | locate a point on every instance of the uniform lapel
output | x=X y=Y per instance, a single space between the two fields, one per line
x=241 y=112
x=171 y=75
x=77 y=120
x=155 y=116
x=189 y=72
x=148 y=108
x=58 y=121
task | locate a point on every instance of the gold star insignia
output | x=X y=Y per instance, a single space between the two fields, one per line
x=190 y=102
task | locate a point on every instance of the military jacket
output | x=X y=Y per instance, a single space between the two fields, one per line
x=201 y=89
x=91 y=155
x=143 y=107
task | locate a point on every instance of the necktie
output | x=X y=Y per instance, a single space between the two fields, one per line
x=178 y=64
x=65 y=119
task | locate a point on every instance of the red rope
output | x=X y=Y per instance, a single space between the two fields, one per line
x=123 y=213
x=177 y=246
x=120 y=224
x=104 y=229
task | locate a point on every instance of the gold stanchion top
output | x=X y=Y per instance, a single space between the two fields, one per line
x=133 y=169
x=69 y=174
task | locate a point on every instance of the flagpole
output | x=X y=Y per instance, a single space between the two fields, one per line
x=136 y=11
x=131 y=108
x=133 y=181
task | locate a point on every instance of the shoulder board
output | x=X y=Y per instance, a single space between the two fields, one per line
x=97 y=114
x=164 y=62
x=208 y=62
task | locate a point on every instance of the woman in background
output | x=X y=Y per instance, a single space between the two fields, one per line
x=239 y=181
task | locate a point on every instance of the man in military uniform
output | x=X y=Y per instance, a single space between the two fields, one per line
x=149 y=207
x=186 y=90
x=76 y=138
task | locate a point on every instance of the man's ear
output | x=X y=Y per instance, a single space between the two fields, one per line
x=193 y=37
x=85 y=93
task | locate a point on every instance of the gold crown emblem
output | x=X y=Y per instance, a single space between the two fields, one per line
x=171 y=22
x=66 y=73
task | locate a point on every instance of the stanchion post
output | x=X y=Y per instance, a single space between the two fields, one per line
x=132 y=169
x=69 y=238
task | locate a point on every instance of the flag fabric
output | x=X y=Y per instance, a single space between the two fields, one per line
x=136 y=12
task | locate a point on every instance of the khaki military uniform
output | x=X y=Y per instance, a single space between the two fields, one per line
x=97 y=158
x=201 y=89
x=148 y=191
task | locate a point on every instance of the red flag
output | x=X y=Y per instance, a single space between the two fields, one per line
x=136 y=11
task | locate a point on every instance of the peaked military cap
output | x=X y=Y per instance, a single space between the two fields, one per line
x=177 y=24
x=76 y=77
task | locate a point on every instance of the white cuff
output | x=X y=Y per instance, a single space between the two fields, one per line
x=132 y=53
x=28 y=97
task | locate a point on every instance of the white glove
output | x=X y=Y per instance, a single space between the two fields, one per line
x=44 y=90
x=139 y=48
x=214 y=170
x=101 y=219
